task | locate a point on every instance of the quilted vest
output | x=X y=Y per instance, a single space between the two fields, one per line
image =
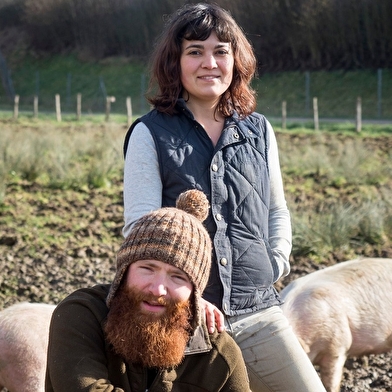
x=234 y=176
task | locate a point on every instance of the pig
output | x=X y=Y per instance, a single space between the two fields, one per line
x=24 y=333
x=342 y=311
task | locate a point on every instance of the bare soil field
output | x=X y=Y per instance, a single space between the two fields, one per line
x=55 y=241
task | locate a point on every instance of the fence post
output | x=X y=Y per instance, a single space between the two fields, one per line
x=379 y=93
x=58 y=107
x=358 y=122
x=284 y=114
x=307 y=92
x=129 y=110
x=315 y=114
x=109 y=100
x=16 y=107
x=68 y=97
x=35 y=106
x=78 y=106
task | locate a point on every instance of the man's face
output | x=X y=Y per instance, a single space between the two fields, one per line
x=149 y=318
x=161 y=281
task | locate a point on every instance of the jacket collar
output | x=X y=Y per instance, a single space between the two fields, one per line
x=199 y=342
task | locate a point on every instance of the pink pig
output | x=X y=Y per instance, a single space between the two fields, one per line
x=24 y=331
x=341 y=311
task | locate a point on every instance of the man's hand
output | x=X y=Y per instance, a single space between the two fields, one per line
x=213 y=316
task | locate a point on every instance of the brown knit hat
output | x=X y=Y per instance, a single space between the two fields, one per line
x=175 y=236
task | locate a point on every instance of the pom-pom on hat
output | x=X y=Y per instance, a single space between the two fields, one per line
x=175 y=236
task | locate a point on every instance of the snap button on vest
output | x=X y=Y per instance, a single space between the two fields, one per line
x=223 y=261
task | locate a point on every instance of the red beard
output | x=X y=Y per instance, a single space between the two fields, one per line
x=144 y=338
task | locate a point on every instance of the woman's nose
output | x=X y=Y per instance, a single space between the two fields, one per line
x=209 y=62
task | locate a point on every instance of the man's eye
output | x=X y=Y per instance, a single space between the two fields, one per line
x=144 y=267
x=180 y=277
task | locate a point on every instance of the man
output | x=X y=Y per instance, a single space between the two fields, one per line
x=145 y=331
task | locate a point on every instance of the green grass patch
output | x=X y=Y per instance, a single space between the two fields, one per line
x=336 y=92
x=67 y=75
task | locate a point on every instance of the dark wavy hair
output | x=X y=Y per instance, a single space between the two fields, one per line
x=196 y=22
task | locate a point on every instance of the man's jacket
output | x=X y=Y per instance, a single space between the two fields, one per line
x=80 y=359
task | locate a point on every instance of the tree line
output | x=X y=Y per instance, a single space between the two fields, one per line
x=286 y=34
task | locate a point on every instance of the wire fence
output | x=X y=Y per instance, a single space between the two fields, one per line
x=81 y=93
x=337 y=95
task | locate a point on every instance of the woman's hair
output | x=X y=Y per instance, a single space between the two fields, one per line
x=196 y=22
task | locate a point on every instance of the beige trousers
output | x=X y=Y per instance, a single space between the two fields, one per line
x=273 y=355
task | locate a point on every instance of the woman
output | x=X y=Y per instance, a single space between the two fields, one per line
x=203 y=133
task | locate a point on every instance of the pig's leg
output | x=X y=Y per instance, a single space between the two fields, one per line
x=332 y=362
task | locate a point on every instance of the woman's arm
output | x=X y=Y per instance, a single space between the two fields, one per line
x=143 y=193
x=279 y=223
x=142 y=180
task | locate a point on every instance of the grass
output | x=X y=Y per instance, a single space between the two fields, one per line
x=336 y=92
x=338 y=184
x=70 y=156
x=338 y=189
x=67 y=75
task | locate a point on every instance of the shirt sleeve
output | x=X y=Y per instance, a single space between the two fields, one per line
x=279 y=222
x=77 y=359
x=142 y=179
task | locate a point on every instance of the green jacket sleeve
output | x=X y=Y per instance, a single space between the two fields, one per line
x=237 y=379
x=78 y=356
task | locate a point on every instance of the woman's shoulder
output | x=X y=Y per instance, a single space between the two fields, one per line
x=256 y=122
x=257 y=118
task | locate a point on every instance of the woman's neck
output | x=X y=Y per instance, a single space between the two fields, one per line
x=207 y=115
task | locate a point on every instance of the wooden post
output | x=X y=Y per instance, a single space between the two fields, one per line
x=78 y=106
x=58 y=107
x=109 y=100
x=315 y=114
x=284 y=114
x=16 y=107
x=358 y=122
x=129 y=110
x=35 y=106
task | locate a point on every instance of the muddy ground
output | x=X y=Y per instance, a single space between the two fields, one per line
x=53 y=242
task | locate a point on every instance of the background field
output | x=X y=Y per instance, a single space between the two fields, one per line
x=61 y=182
x=61 y=208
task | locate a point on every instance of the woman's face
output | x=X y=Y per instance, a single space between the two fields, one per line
x=206 y=68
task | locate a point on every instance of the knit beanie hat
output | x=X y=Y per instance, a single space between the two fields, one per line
x=175 y=236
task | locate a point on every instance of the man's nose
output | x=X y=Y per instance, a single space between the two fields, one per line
x=158 y=287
